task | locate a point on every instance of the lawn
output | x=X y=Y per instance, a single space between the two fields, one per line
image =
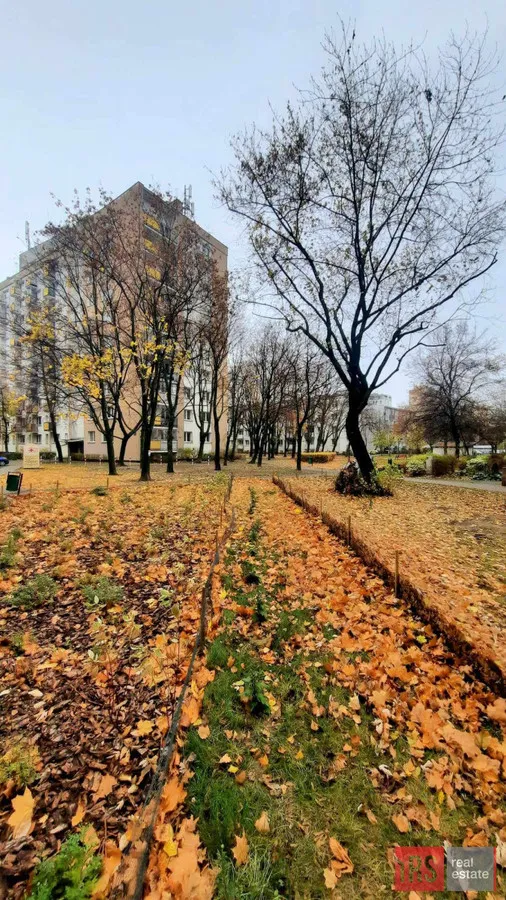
x=325 y=724
x=451 y=543
x=99 y=605
x=336 y=727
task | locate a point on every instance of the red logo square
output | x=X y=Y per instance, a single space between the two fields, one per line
x=419 y=869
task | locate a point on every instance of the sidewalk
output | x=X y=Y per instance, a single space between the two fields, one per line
x=494 y=486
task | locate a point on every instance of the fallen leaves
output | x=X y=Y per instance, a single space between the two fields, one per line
x=20 y=819
x=106 y=785
x=262 y=823
x=240 y=850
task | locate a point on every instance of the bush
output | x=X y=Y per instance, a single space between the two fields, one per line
x=478 y=468
x=48 y=455
x=183 y=455
x=14 y=455
x=100 y=490
x=101 y=591
x=416 y=465
x=36 y=592
x=442 y=465
x=318 y=457
x=388 y=477
x=69 y=875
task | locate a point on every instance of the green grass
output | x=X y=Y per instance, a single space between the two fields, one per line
x=312 y=797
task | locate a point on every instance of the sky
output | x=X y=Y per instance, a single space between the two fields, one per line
x=110 y=92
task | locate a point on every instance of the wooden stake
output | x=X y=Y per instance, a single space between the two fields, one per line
x=396 y=579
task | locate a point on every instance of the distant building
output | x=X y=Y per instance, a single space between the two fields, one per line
x=77 y=433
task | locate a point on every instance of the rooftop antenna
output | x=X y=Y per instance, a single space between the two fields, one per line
x=188 y=204
x=27 y=235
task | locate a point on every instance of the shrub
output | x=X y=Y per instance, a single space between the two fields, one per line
x=20 y=764
x=477 y=467
x=185 y=454
x=69 y=875
x=416 y=465
x=496 y=462
x=318 y=457
x=14 y=454
x=350 y=482
x=461 y=464
x=99 y=491
x=388 y=477
x=442 y=465
x=37 y=592
x=47 y=454
x=101 y=591
x=9 y=549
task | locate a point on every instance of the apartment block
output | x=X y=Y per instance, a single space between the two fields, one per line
x=21 y=372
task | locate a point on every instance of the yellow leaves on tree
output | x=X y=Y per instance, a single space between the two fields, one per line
x=88 y=372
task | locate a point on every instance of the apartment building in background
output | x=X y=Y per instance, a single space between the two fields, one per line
x=20 y=372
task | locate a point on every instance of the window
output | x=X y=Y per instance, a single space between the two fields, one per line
x=91 y=437
x=103 y=439
x=187 y=393
x=188 y=415
x=187 y=437
x=39 y=420
x=47 y=439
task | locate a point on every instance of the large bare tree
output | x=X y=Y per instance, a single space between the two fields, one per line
x=371 y=205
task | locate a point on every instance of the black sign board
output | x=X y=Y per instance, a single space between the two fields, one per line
x=14 y=480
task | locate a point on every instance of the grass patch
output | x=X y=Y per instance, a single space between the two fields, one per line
x=39 y=591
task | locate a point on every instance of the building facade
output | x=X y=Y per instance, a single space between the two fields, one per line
x=20 y=371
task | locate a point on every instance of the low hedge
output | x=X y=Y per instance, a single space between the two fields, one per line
x=443 y=465
x=318 y=457
x=416 y=465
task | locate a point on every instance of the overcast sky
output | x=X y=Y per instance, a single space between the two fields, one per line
x=112 y=92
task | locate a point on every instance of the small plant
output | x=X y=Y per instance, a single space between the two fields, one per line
x=389 y=478
x=69 y=875
x=9 y=549
x=101 y=591
x=254 y=693
x=253 y=501
x=17 y=642
x=20 y=764
x=39 y=591
x=99 y=491
x=260 y=614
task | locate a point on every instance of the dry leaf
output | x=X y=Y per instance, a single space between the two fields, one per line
x=144 y=727
x=203 y=732
x=241 y=850
x=21 y=819
x=262 y=824
x=330 y=878
x=79 y=814
x=341 y=864
x=401 y=822
x=105 y=787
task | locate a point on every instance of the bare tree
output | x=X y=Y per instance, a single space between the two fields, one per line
x=237 y=373
x=454 y=375
x=310 y=378
x=371 y=205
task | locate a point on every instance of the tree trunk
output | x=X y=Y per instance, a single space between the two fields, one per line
x=145 y=460
x=227 y=448
x=56 y=439
x=109 y=438
x=202 y=440
x=294 y=446
x=170 y=452
x=299 y=449
x=122 y=450
x=357 y=443
x=217 y=440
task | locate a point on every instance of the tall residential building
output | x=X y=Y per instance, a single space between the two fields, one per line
x=35 y=282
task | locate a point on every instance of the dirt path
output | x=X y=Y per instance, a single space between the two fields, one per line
x=336 y=727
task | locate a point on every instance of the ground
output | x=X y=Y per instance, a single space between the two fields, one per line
x=325 y=723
